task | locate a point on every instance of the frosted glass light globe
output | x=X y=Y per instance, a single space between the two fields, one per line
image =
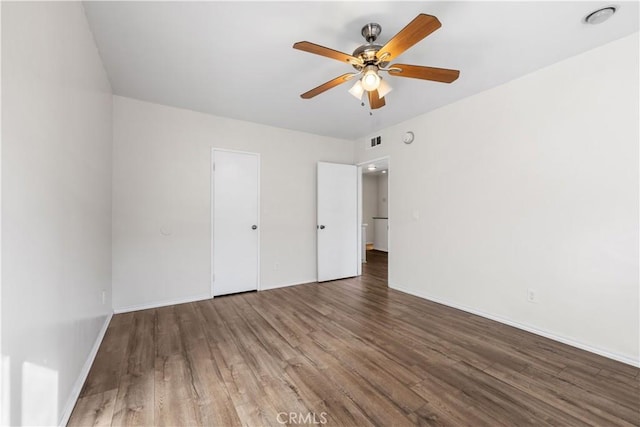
x=371 y=79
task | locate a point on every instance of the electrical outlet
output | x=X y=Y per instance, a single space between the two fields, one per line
x=532 y=295
x=104 y=297
x=276 y=266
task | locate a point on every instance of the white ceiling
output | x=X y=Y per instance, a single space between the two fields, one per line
x=234 y=59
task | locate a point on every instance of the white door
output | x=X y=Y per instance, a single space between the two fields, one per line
x=337 y=227
x=235 y=221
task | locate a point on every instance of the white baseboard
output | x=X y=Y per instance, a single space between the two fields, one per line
x=202 y=297
x=77 y=386
x=618 y=357
x=158 y=304
x=284 y=285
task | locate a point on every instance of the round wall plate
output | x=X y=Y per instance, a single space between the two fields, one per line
x=407 y=138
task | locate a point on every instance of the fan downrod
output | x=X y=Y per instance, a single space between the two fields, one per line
x=371 y=31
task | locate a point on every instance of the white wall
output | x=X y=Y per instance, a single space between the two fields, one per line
x=56 y=206
x=382 y=196
x=369 y=204
x=533 y=184
x=162 y=178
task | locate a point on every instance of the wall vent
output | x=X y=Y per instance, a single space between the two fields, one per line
x=375 y=141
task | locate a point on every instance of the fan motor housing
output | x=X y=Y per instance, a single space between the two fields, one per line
x=367 y=52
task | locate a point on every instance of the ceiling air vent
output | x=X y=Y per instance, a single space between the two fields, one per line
x=375 y=141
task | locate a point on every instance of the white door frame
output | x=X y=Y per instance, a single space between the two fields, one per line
x=360 y=211
x=360 y=166
x=212 y=203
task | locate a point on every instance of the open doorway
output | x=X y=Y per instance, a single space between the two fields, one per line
x=375 y=218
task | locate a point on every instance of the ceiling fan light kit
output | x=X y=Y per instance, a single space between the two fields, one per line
x=370 y=59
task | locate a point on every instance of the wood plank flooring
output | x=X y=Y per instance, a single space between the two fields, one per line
x=350 y=352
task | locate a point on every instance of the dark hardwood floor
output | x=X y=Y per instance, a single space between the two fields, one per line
x=349 y=352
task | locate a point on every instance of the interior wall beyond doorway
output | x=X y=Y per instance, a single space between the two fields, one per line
x=382 y=203
x=369 y=204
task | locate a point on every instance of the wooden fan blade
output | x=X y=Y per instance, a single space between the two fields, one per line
x=416 y=30
x=443 y=75
x=325 y=51
x=375 y=101
x=328 y=85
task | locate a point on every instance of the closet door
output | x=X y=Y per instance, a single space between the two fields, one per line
x=337 y=226
x=236 y=233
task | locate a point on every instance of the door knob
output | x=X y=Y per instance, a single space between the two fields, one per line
x=254 y=227
x=322 y=227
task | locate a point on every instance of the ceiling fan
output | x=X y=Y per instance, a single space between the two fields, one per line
x=371 y=58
